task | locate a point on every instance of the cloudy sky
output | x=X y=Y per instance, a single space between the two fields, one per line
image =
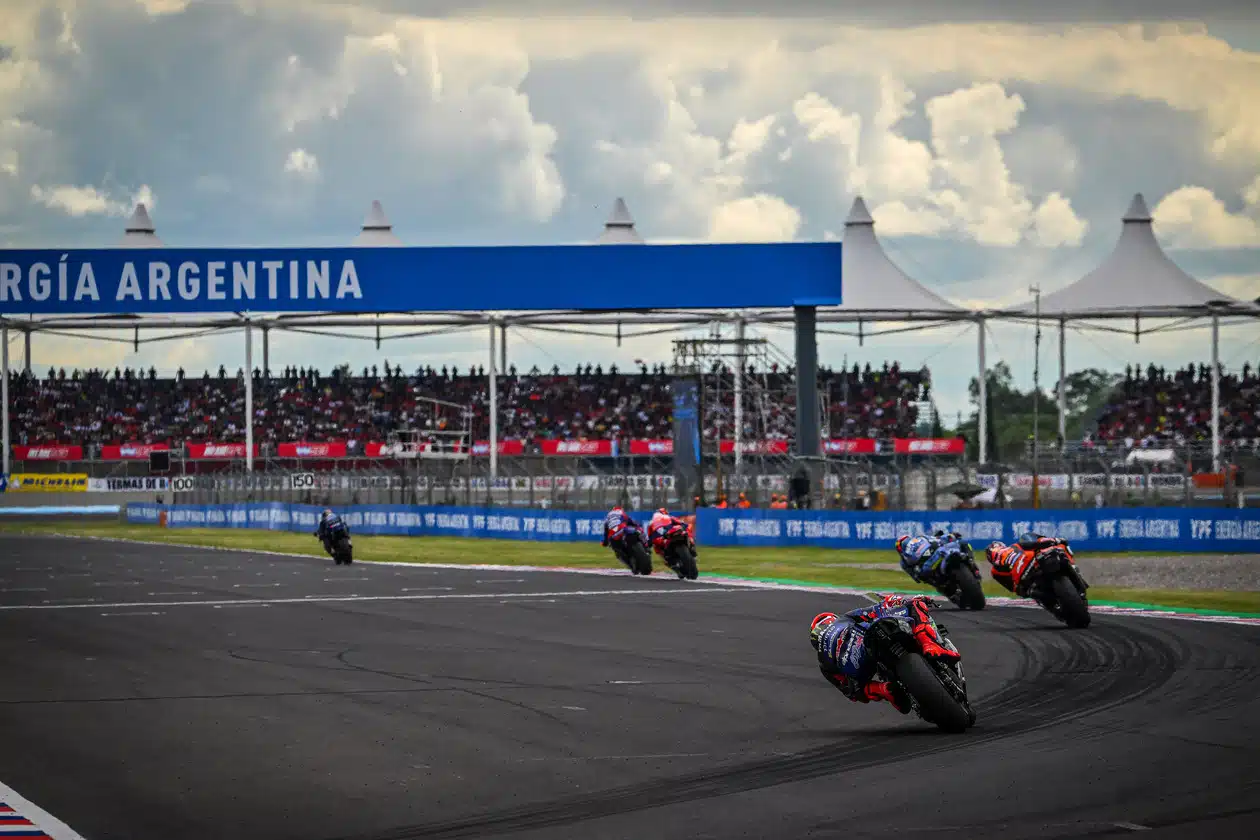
x=997 y=147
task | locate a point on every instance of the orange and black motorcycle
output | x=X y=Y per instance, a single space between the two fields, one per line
x=1044 y=570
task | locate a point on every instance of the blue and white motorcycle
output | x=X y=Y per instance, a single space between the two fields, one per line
x=953 y=573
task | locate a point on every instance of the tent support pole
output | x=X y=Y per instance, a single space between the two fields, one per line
x=808 y=435
x=4 y=397
x=266 y=368
x=503 y=365
x=26 y=352
x=1216 y=393
x=982 y=425
x=249 y=400
x=739 y=395
x=494 y=411
x=1062 y=380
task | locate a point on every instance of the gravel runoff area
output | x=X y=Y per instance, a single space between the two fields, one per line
x=1231 y=572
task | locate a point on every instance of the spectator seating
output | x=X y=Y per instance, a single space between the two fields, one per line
x=1157 y=407
x=124 y=406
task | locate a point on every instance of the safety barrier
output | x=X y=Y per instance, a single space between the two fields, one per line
x=1175 y=530
x=383 y=520
x=1103 y=529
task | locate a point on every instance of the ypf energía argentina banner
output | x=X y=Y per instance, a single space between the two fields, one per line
x=176 y=280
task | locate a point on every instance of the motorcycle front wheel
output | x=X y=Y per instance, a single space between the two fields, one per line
x=936 y=704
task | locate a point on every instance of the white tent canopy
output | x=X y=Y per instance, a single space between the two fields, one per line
x=377 y=232
x=619 y=229
x=873 y=285
x=1137 y=279
x=140 y=232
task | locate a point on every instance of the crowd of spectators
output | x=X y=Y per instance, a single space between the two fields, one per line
x=1157 y=407
x=98 y=407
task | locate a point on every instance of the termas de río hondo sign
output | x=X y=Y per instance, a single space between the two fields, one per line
x=607 y=277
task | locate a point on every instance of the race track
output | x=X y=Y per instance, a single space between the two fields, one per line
x=153 y=693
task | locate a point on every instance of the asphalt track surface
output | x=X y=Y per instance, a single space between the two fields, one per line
x=169 y=692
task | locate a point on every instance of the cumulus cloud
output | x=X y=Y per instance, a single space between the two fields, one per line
x=78 y=201
x=1193 y=217
x=960 y=182
x=756 y=218
x=302 y=163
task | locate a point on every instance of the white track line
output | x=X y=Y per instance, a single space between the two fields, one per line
x=43 y=820
x=255 y=602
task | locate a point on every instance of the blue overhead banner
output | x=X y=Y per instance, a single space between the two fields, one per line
x=1174 y=530
x=586 y=277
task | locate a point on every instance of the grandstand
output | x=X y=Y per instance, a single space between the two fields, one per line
x=591 y=411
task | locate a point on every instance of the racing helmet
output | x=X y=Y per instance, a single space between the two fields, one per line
x=995 y=548
x=327 y=513
x=901 y=543
x=820 y=623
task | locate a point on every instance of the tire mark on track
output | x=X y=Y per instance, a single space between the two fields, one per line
x=1041 y=695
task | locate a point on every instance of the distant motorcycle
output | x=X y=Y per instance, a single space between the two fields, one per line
x=338 y=544
x=955 y=575
x=630 y=545
x=937 y=688
x=1052 y=579
x=678 y=548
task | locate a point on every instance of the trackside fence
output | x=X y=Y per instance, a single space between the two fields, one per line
x=1174 y=530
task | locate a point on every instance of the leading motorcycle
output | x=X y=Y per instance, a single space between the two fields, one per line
x=678 y=548
x=339 y=546
x=937 y=688
x=1052 y=579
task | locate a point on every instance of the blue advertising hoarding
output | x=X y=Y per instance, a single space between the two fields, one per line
x=406 y=279
x=1175 y=530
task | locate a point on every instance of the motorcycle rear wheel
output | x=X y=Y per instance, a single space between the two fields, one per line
x=640 y=559
x=1072 y=607
x=936 y=704
x=689 y=569
x=970 y=595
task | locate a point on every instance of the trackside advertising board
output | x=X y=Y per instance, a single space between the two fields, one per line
x=1175 y=530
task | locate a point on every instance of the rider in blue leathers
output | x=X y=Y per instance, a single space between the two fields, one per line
x=618 y=517
x=840 y=643
x=329 y=524
x=918 y=554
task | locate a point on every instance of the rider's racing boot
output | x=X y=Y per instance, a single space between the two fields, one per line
x=895 y=695
x=931 y=643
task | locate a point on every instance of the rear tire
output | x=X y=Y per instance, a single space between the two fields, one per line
x=936 y=704
x=640 y=559
x=689 y=564
x=970 y=595
x=1072 y=607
